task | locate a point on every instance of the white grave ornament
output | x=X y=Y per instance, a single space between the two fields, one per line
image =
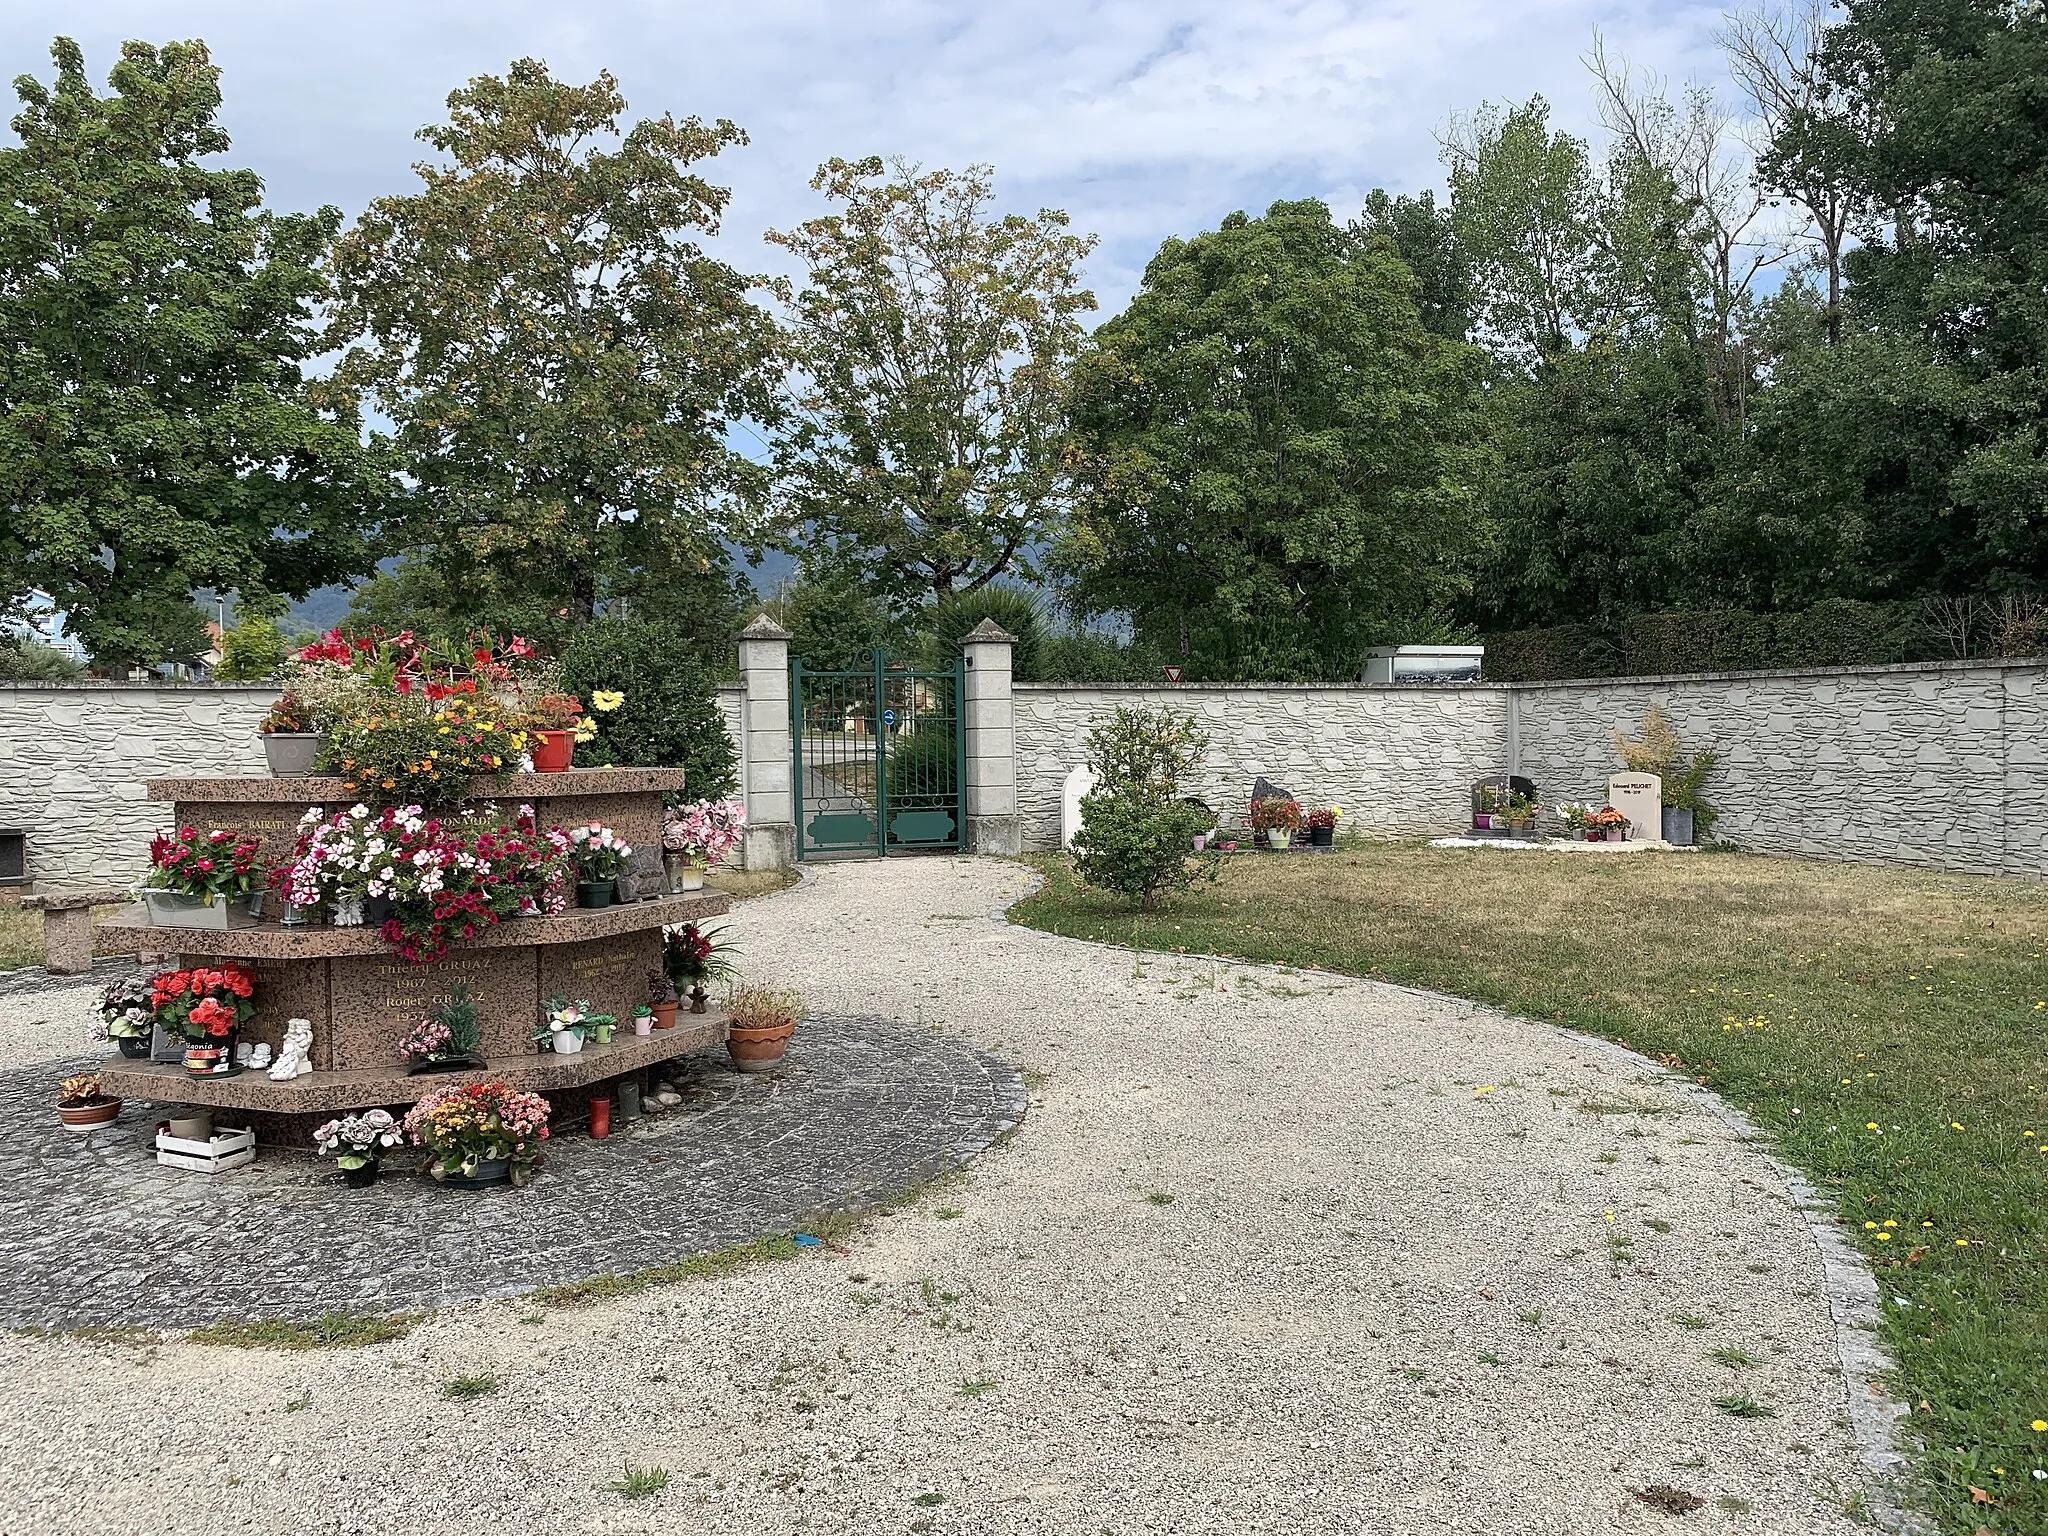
x=1639 y=797
x=1078 y=782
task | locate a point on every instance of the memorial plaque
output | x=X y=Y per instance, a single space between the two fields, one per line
x=636 y=818
x=274 y=822
x=378 y=998
x=610 y=973
x=1639 y=797
x=1075 y=788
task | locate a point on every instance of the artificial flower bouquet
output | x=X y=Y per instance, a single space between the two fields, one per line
x=463 y=1128
x=705 y=831
x=1323 y=819
x=125 y=1008
x=1605 y=822
x=1274 y=815
x=600 y=853
x=357 y=1141
x=692 y=956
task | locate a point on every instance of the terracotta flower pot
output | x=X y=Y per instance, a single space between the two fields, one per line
x=89 y=1117
x=665 y=1015
x=757 y=1050
x=553 y=751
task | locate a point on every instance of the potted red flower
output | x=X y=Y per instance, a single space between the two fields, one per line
x=1276 y=820
x=205 y=1007
x=290 y=743
x=556 y=723
x=1322 y=825
x=1607 y=825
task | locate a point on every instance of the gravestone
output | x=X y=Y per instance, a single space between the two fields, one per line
x=1639 y=797
x=1078 y=782
x=1264 y=789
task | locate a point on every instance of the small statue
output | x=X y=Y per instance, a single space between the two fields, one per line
x=296 y=1057
x=260 y=1056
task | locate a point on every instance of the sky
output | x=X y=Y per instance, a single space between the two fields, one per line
x=1143 y=121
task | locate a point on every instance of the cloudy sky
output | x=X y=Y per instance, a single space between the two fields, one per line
x=1143 y=120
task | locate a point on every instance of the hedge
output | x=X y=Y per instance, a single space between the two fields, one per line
x=1836 y=632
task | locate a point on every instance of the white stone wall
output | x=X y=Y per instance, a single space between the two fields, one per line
x=1940 y=766
x=1401 y=761
x=73 y=757
x=732 y=705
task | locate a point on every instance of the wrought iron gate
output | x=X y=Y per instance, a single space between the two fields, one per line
x=878 y=759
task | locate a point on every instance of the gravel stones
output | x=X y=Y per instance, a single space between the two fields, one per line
x=1230 y=1275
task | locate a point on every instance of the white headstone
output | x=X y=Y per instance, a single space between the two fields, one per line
x=1639 y=797
x=1076 y=784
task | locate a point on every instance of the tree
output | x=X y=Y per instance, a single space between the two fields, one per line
x=1427 y=240
x=561 y=362
x=1929 y=111
x=156 y=432
x=931 y=342
x=1279 y=464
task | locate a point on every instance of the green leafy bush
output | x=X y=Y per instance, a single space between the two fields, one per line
x=1093 y=659
x=253 y=650
x=1014 y=610
x=1140 y=847
x=30 y=661
x=1151 y=753
x=1542 y=655
x=670 y=718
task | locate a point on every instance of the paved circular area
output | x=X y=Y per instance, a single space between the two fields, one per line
x=1271 y=1253
x=100 y=1235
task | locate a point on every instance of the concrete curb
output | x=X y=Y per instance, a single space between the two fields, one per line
x=1854 y=1300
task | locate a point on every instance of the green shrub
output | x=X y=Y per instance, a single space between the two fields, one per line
x=1093 y=659
x=1548 y=655
x=31 y=661
x=670 y=718
x=1014 y=610
x=924 y=765
x=1140 y=847
x=1150 y=753
x=253 y=650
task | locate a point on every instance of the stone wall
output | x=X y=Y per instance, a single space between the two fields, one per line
x=1939 y=765
x=1399 y=760
x=73 y=757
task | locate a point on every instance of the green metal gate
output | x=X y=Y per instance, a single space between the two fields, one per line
x=878 y=759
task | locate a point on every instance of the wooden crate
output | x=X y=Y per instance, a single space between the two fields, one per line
x=227 y=1150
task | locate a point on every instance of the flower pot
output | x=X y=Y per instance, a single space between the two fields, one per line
x=553 y=751
x=363 y=1177
x=488 y=1172
x=377 y=910
x=1678 y=828
x=291 y=753
x=134 y=1047
x=757 y=1050
x=89 y=1117
x=643 y=1023
x=601 y=1034
x=1201 y=842
x=1617 y=835
x=665 y=1015
x=193 y=1127
x=1322 y=837
x=693 y=878
x=566 y=1042
x=594 y=893
x=1279 y=838
x=1595 y=835
x=697 y=1000
x=347 y=912
x=629 y=1099
x=216 y=1058
x=168 y=909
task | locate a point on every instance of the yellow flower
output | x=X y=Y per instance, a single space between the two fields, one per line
x=1884 y=1237
x=605 y=700
x=2040 y=1426
x=1870 y=1125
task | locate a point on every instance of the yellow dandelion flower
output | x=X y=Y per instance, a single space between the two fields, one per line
x=1884 y=1237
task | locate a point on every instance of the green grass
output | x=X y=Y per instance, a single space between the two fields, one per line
x=1902 y=1014
x=975 y=1388
x=638 y=1482
x=337 y=1330
x=1740 y=1405
x=583 y=1293
x=465 y=1388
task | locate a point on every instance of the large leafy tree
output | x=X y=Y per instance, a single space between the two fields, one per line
x=1280 y=462
x=562 y=362
x=931 y=341
x=156 y=431
x=1944 y=147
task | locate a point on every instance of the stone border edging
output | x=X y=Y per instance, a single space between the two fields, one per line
x=1854 y=1301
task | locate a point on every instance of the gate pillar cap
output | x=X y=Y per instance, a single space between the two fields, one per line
x=987 y=632
x=764 y=628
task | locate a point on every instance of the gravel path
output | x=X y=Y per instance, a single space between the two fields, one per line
x=1269 y=1253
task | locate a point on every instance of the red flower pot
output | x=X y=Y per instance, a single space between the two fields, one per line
x=664 y=1015
x=553 y=751
x=86 y=1117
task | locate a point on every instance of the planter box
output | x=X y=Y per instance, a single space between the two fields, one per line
x=291 y=754
x=167 y=909
x=227 y=1150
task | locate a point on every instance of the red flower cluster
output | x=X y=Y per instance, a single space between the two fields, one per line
x=203 y=1003
x=217 y=864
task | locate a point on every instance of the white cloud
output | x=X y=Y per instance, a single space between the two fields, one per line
x=1142 y=120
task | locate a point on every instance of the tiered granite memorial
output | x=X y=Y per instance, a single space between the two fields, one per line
x=363 y=999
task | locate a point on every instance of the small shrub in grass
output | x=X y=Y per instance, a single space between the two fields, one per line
x=1140 y=848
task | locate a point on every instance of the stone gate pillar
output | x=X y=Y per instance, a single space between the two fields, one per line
x=990 y=721
x=770 y=838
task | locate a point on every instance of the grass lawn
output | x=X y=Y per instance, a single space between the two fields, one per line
x=1887 y=1028
x=742 y=883
x=21 y=938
